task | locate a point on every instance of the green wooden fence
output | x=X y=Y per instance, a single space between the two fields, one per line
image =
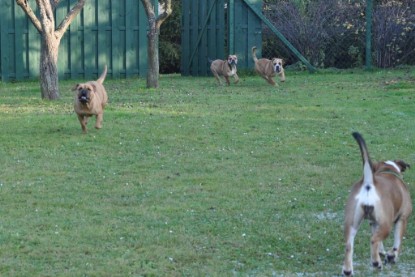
x=216 y=28
x=112 y=32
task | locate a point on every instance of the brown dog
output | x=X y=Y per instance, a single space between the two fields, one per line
x=382 y=197
x=268 y=68
x=90 y=100
x=225 y=68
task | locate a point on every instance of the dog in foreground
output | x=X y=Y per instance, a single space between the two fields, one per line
x=268 y=68
x=225 y=68
x=90 y=100
x=382 y=197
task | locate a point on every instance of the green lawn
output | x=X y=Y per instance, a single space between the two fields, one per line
x=195 y=179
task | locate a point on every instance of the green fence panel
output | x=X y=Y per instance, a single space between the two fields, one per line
x=112 y=32
x=7 y=41
x=248 y=32
x=203 y=35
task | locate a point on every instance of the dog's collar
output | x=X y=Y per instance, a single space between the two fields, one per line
x=394 y=173
x=394 y=165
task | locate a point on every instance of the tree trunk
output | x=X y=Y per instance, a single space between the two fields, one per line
x=154 y=24
x=49 y=79
x=153 y=55
x=50 y=40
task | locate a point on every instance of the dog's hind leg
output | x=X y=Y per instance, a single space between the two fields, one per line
x=271 y=81
x=400 y=228
x=381 y=249
x=351 y=225
x=380 y=233
x=227 y=80
x=216 y=77
x=350 y=233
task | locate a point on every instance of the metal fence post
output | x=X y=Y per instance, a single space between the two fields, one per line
x=231 y=27
x=368 y=46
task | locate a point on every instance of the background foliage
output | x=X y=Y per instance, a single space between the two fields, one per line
x=331 y=33
x=170 y=38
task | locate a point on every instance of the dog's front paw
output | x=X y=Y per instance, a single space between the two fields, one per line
x=377 y=264
x=347 y=272
x=391 y=258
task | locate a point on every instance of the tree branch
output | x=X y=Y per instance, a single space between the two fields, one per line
x=48 y=9
x=29 y=12
x=47 y=18
x=167 y=11
x=148 y=7
x=63 y=26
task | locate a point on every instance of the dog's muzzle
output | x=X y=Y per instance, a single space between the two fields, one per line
x=83 y=96
x=277 y=68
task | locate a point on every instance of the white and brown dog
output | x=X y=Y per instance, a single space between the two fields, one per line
x=269 y=68
x=225 y=68
x=382 y=197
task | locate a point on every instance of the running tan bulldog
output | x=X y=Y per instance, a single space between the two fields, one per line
x=225 y=68
x=269 y=68
x=90 y=100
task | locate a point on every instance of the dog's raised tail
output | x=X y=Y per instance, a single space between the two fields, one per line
x=367 y=162
x=254 y=54
x=103 y=75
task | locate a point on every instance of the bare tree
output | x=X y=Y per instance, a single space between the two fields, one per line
x=154 y=24
x=50 y=40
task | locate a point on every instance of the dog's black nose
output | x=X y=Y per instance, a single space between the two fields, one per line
x=83 y=96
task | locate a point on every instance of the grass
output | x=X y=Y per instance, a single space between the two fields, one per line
x=195 y=179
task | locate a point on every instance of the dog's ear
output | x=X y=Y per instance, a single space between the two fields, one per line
x=94 y=87
x=75 y=87
x=403 y=165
